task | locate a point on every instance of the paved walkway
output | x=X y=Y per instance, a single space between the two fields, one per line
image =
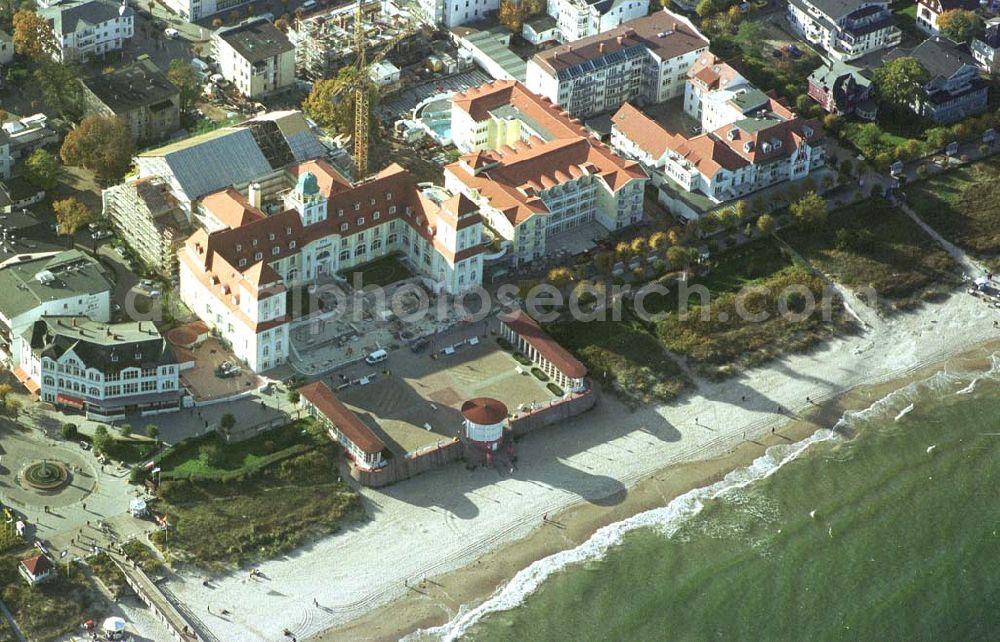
x=150 y=593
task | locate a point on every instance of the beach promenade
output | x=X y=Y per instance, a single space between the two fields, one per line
x=449 y=518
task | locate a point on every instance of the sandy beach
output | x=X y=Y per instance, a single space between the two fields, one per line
x=468 y=532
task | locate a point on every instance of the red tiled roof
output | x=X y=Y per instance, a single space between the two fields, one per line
x=665 y=34
x=231 y=208
x=37 y=565
x=320 y=396
x=645 y=132
x=484 y=411
x=558 y=356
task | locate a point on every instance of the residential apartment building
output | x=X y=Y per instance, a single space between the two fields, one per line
x=256 y=57
x=955 y=89
x=88 y=28
x=986 y=47
x=105 y=370
x=534 y=172
x=645 y=59
x=235 y=278
x=146 y=215
x=194 y=10
x=843 y=89
x=929 y=11
x=845 y=29
x=578 y=19
x=63 y=283
x=455 y=13
x=770 y=146
x=140 y=94
x=6 y=160
x=715 y=94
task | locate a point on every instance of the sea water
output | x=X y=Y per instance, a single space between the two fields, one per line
x=885 y=526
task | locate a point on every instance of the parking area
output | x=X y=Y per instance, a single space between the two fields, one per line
x=413 y=400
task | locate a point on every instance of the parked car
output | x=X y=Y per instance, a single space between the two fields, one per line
x=101 y=234
x=85 y=444
x=121 y=251
x=170 y=32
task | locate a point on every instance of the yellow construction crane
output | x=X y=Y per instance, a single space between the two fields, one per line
x=362 y=86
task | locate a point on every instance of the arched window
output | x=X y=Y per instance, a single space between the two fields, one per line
x=48 y=381
x=360 y=250
x=345 y=255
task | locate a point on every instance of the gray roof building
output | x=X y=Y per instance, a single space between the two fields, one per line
x=109 y=347
x=141 y=94
x=256 y=40
x=27 y=284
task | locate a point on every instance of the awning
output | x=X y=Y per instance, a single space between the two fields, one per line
x=26 y=380
x=66 y=400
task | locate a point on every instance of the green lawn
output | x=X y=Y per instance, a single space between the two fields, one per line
x=963 y=205
x=193 y=458
x=872 y=244
x=742 y=325
x=51 y=609
x=382 y=272
x=221 y=525
x=622 y=354
x=132 y=451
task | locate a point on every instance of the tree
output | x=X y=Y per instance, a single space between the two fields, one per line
x=678 y=257
x=13 y=406
x=138 y=475
x=559 y=276
x=126 y=431
x=41 y=169
x=152 y=432
x=294 y=397
x=803 y=103
x=639 y=245
x=68 y=431
x=102 y=440
x=766 y=225
x=623 y=251
x=216 y=23
x=281 y=24
x=60 y=88
x=659 y=240
x=809 y=210
x=758 y=205
x=512 y=14
x=102 y=144
x=900 y=81
x=33 y=36
x=183 y=75
x=604 y=261
x=5 y=389
x=228 y=421
x=958 y=24
x=741 y=210
x=331 y=101
x=71 y=215
x=727 y=218
x=704 y=8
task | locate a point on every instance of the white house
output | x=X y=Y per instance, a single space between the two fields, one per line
x=845 y=29
x=534 y=172
x=105 y=370
x=645 y=59
x=36 y=570
x=730 y=162
x=454 y=13
x=577 y=19
x=256 y=57
x=63 y=283
x=88 y=28
x=235 y=277
x=928 y=12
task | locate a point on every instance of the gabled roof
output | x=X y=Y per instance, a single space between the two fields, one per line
x=37 y=565
x=529 y=330
x=231 y=208
x=642 y=130
x=322 y=398
x=70 y=16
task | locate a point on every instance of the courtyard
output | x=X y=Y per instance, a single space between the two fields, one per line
x=413 y=400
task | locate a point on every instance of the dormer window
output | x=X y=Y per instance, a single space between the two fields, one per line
x=388 y=196
x=343 y=227
x=361 y=220
x=275 y=251
x=243 y=262
x=392 y=210
x=340 y=211
x=288 y=231
x=271 y=236
x=114 y=356
x=258 y=256
x=255 y=242
x=373 y=201
x=291 y=245
x=376 y=216
x=357 y=207
x=239 y=248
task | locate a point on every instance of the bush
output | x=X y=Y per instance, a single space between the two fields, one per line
x=541 y=376
x=69 y=431
x=138 y=475
x=505 y=344
x=554 y=389
x=522 y=359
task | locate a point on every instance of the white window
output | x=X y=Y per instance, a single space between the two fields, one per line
x=258 y=256
x=291 y=245
x=275 y=251
x=361 y=221
x=243 y=262
x=343 y=228
x=376 y=216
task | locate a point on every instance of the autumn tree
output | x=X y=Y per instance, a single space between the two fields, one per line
x=560 y=276
x=33 y=36
x=659 y=240
x=281 y=24
x=71 y=215
x=183 y=75
x=101 y=144
x=809 y=210
x=512 y=14
x=41 y=169
x=704 y=8
x=679 y=257
x=331 y=101
x=958 y=24
x=900 y=81
x=766 y=225
x=639 y=245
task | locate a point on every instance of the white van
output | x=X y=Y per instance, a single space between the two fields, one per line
x=309 y=5
x=376 y=357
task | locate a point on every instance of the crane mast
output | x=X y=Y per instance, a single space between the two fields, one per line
x=361 y=114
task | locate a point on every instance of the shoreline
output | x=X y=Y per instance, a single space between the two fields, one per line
x=439 y=598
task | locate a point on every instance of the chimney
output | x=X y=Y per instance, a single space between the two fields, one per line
x=253 y=194
x=673 y=26
x=600 y=48
x=620 y=39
